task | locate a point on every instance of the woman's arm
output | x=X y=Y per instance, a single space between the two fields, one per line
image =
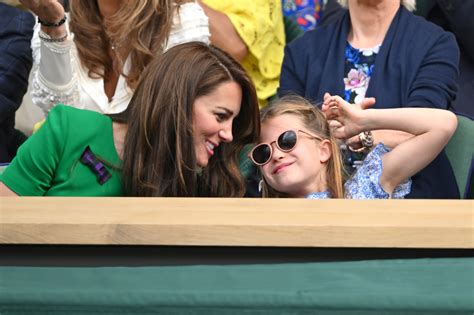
x=431 y=130
x=50 y=12
x=5 y=191
x=52 y=76
x=223 y=33
x=390 y=138
x=33 y=169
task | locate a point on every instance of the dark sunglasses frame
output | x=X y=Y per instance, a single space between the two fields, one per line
x=269 y=145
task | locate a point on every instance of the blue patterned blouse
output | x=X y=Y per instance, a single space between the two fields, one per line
x=306 y=13
x=359 y=67
x=365 y=183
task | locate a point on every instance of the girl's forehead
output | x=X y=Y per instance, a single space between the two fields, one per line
x=273 y=127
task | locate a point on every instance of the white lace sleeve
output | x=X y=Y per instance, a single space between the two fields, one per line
x=190 y=23
x=53 y=78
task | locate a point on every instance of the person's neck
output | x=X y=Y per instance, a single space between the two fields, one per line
x=370 y=22
x=119 y=132
x=318 y=184
x=107 y=8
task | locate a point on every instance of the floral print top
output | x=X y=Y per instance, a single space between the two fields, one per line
x=306 y=13
x=359 y=67
x=365 y=182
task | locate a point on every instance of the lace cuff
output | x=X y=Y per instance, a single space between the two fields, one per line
x=53 y=77
x=190 y=23
x=46 y=98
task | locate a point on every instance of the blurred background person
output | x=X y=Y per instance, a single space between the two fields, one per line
x=455 y=16
x=16 y=30
x=92 y=58
x=251 y=31
x=306 y=14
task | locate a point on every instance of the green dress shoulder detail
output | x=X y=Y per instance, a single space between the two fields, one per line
x=48 y=163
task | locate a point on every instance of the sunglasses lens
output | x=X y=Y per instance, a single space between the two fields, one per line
x=261 y=154
x=287 y=140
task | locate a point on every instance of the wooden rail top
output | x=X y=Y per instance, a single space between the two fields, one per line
x=237 y=222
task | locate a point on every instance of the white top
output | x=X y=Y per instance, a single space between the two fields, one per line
x=59 y=77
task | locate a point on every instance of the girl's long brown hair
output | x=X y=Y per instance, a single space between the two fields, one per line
x=159 y=157
x=315 y=121
x=139 y=27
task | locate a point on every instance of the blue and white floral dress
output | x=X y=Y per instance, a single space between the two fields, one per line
x=365 y=182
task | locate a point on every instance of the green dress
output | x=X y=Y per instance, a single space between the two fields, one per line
x=48 y=163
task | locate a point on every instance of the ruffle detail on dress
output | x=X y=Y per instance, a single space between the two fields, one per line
x=365 y=183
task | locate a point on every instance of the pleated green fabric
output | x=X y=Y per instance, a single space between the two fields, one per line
x=407 y=286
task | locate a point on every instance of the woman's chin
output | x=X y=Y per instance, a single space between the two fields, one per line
x=202 y=163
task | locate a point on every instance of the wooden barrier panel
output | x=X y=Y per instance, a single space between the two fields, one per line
x=238 y=222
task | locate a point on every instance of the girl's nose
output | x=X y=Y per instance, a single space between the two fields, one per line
x=277 y=153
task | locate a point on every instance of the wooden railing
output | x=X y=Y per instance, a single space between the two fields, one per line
x=238 y=222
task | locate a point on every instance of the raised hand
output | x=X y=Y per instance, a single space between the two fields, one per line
x=354 y=141
x=50 y=11
x=366 y=103
x=347 y=115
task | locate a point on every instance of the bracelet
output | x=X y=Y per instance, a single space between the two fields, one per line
x=46 y=38
x=366 y=139
x=47 y=24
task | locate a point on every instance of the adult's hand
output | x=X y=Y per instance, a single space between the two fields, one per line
x=50 y=11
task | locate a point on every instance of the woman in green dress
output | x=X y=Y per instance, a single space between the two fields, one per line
x=193 y=111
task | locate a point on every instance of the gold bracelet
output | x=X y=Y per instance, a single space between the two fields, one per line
x=366 y=139
x=355 y=150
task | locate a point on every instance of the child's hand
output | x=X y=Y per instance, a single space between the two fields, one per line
x=348 y=116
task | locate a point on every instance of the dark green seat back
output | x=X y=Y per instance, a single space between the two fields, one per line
x=460 y=153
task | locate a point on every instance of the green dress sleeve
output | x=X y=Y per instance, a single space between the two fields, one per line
x=32 y=170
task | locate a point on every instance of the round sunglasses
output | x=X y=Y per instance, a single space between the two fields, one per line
x=262 y=153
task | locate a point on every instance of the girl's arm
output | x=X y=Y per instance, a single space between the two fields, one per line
x=432 y=129
x=390 y=138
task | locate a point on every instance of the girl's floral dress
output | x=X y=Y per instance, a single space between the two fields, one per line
x=365 y=182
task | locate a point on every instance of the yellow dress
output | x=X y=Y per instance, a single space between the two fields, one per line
x=260 y=25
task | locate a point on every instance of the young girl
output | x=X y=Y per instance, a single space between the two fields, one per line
x=193 y=111
x=299 y=156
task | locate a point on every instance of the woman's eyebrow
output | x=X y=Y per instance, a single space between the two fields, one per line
x=228 y=111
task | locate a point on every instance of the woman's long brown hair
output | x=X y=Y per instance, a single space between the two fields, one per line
x=139 y=27
x=159 y=157
x=315 y=121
